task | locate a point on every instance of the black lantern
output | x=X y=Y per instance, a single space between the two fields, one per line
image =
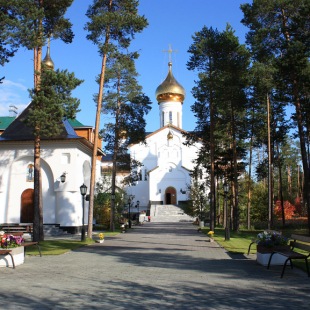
x=63 y=177
x=83 y=190
x=138 y=204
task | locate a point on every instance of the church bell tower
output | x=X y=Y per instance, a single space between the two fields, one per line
x=170 y=96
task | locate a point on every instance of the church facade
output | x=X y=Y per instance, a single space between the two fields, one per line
x=165 y=174
x=65 y=166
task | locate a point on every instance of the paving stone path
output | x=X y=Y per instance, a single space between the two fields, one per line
x=154 y=266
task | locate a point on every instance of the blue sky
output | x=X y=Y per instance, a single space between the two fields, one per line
x=171 y=22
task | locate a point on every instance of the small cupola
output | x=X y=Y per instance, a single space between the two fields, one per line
x=47 y=61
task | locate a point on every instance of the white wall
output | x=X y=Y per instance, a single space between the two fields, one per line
x=62 y=203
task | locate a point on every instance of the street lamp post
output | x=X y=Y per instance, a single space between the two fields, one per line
x=129 y=219
x=201 y=205
x=138 y=204
x=227 y=232
x=83 y=190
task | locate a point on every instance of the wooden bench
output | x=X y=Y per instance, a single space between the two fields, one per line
x=14 y=228
x=299 y=242
x=8 y=252
x=253 y=241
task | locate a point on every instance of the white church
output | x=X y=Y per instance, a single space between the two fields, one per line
x=167 y=162
x=164 y=177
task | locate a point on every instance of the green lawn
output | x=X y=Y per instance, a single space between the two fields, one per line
x=61 y=246
x=239 y=241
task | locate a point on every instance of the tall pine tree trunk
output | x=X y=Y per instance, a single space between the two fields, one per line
x=249 y=184
x=280 y=186
x=212 y=160
x=270 y=187
x=95 y=149
x=38 y=232
x=235 y=173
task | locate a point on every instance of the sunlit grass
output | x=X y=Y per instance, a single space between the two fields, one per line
x=61 y=246
x=239 y=241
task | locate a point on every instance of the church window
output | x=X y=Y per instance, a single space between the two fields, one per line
x=30 y=173
x=163 y=119
x=145 y=175
x=178 y=119
x=140 y=175
x=170 y=169
x=170 y=117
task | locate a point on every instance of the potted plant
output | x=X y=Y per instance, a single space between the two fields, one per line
x=267 y=242
x=14 y=243
x=211 y=233
x=101 y=238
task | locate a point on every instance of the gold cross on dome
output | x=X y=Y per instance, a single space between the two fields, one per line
x=170 y=51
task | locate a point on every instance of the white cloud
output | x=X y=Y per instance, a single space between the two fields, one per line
x=15 y=94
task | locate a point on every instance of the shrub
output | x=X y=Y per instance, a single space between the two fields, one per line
x=289 y=209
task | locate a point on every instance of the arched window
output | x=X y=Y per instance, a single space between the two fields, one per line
x=170 y=117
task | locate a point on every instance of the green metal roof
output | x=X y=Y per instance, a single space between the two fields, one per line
x=75 y=123
x=5 y=121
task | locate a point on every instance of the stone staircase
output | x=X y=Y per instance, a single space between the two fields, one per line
x=53 y=230
x=169 y=213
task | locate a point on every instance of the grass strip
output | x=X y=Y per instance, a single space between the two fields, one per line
x=62 y=246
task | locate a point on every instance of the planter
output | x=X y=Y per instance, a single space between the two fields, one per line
x=100 y=241
x=18 y=254
x=263 y=255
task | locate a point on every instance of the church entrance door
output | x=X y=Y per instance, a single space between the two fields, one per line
x=27 y=206
x=171 y=196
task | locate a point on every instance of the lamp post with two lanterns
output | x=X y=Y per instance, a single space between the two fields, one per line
x=83 y=190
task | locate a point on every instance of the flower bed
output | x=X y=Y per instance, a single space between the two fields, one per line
x=271 y=239
x=267 y=242
x=8 y=241
x=13 y=243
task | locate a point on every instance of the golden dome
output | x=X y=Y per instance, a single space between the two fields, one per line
x=170 y=89
x=169 y=135
x=47 y=61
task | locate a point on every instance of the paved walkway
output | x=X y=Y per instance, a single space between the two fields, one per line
x=154 y=266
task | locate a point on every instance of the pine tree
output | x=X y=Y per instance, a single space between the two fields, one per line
x=112 y=25
x=220 y=105
x=7 y=45
x=280 y=29
x=127 y=105
x=30 y=24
